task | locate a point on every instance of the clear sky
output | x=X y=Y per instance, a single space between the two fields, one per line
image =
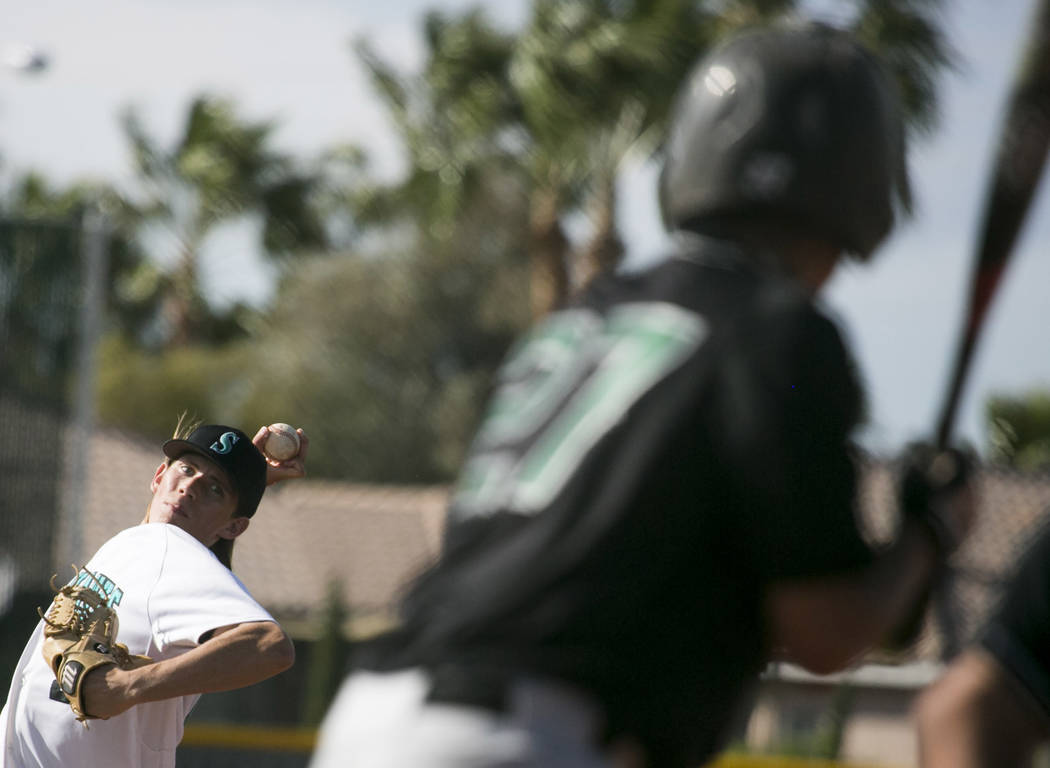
x=291 y=60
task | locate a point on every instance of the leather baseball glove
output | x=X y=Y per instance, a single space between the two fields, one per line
x=80 y=633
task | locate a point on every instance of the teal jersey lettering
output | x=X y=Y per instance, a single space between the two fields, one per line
x=564 y=387
x=101 y=584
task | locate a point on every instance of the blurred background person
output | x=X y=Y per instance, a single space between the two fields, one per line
x=661 y=498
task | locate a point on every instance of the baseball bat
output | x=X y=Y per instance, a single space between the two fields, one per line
x=1018 y=166
x=1020 y=156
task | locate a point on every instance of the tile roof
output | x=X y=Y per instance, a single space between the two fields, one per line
x=371 y=539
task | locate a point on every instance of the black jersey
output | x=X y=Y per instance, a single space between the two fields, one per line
x=653 y=457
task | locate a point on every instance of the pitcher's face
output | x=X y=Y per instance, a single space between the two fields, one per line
x=195 y=494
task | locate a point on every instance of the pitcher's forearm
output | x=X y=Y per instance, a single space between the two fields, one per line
x=242 y=655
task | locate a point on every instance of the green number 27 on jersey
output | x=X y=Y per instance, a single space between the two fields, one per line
x=564 y=386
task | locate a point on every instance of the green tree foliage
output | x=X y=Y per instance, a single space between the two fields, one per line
x=384 y=354
x=910 y=37
x=144 y=391
x=584 y=86
x=222 y=168
x=134 y=282
x=1019 y=430
x=386 y=360
x=450 y=120
x=186 y=355
x=41 y=269
x=595 y=79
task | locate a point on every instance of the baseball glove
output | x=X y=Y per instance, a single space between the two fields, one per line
x=80 y=633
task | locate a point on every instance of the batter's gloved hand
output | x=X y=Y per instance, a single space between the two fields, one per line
x=930 y=481
x=933 y=490
x=80 y=632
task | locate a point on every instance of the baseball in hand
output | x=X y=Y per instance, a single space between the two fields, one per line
x=282 y=443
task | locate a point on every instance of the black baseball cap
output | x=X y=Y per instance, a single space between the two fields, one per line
x=232 y=450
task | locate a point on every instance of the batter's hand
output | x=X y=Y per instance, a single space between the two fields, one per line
x=937 y=489
x=290 y=469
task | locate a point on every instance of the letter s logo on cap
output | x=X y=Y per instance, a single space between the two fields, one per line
x=225 y=443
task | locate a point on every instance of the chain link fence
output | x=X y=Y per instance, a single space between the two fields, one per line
x=1013 y=507
x=1014 y=510
x=41 y=291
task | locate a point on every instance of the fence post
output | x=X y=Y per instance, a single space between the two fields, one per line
x=94 y=253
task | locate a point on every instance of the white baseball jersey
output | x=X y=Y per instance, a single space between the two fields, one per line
x=168 y=591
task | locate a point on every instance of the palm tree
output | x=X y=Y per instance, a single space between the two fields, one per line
x=220 y=169
x=451 y=118
x=611 y=69
x=585 y=85
x=595 y=79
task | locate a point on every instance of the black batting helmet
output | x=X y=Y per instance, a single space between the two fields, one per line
x=799 y=123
